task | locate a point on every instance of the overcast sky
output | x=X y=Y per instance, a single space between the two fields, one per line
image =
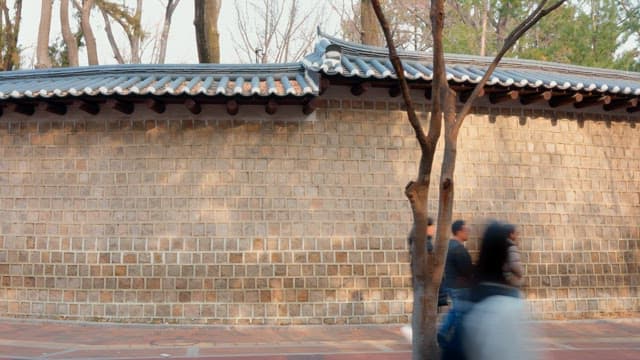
x=181 y=45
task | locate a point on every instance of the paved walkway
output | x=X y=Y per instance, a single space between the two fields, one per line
x=34 y=339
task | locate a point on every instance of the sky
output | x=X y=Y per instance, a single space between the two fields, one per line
x=181 y=45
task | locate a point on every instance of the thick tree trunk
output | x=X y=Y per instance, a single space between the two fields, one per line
x=207 y=34
x=369 y=30
x=90 y=40
x=11 y=57
x=168 y=14
x=418 y=195
x=485 y=20
x=42 y=49
x=67 y=35
x=136 y=38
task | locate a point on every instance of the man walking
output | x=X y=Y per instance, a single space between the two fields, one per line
x=458 y=272
x=458 y=269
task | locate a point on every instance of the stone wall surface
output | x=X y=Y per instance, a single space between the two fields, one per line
x=285 y=220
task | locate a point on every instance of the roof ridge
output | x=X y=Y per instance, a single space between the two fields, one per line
x=173 y=69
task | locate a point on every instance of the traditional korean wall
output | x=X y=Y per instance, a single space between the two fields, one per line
x=290 y=220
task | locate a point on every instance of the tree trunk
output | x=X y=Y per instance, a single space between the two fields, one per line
x=485 y=19
x=207 y=35
x=67 y=35
x=138 y=34
x=168 y=14
x=90 y=40
x=427 y=268
x=369 y=30
x=42 y=49
x=11 y=58
x=111 y=38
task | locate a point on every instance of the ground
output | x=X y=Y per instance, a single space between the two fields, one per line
x=36 y=339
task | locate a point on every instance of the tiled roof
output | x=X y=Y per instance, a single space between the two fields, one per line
x=298 y=83
x=367 y=62
x=264 y=80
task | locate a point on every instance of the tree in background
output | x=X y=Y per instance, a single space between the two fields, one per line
x=70 y=40
x=369 y=28
x=277 y=31
x=427 y=267
x=630 y=25
x=42 y=51
x=87 y=31
x=207 y=34
x=480 y=27
x=130 y=20
x=9 y=31
x=409 y=27
x=166 y=26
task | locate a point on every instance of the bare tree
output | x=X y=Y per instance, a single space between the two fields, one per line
x=44 y=29
x=85 y=23
x=427 y=267
x=9 y=30
x=68 y=37
x=130 y=22
x=112 y=40
x=166 y=26
x=282 y=32
x=408 y=25
x=207 y=34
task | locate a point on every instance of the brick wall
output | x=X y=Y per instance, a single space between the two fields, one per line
x=290 y=220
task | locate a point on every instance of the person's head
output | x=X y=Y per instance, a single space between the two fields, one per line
x=512 y=232
x=431 y=227
x=460 y=230
x=494 y=248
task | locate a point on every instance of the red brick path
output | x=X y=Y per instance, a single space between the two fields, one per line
x=30 y=339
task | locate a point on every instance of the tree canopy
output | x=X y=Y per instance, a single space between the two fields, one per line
x=598 y=33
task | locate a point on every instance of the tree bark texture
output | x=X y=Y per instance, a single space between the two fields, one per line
x=11 y=30
x=85 y=24
x=44 y=29
x=67 y=35
x=485 y=19
x=136 y=38
x=207 y=34
x=166 y=26
x=369 y=30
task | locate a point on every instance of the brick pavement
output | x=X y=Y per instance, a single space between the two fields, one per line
x=39 y=340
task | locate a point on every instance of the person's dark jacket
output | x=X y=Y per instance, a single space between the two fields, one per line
x=458 y=269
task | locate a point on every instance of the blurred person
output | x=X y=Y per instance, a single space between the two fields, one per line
x=513 y=269
x=493 y=328
x=431 y=230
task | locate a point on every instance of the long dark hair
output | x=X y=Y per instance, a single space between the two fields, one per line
x=493 y=253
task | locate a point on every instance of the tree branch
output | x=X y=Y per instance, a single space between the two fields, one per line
x=111 y=38
x=513 y=37
x=425 y=145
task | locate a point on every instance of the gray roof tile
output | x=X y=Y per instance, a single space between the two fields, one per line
x=369 y=62
x=170 y=80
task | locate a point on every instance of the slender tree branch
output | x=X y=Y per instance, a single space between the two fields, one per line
x=406 y=94
x=111 y=38
x=513 y=37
